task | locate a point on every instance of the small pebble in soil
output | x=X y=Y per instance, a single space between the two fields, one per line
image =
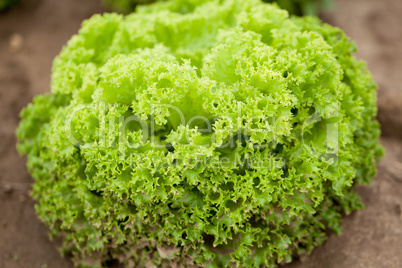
x=22 y=198
x=7 y=188
x=16 y=43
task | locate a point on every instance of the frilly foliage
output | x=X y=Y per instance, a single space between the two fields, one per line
x=6 y=4
x=296 y=7
x=125 y=6
x=293 y=130
x=303 y=7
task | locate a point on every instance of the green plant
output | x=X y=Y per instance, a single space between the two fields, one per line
x=296 y=7
x=125 y=6
x=303 y=7
x=201 y=133
x=6 y=4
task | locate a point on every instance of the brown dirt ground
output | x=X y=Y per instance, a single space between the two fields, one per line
x=32 y=34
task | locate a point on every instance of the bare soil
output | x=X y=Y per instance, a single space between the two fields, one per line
x=32 y=34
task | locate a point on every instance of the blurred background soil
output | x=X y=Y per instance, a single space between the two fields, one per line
x=33 y=33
